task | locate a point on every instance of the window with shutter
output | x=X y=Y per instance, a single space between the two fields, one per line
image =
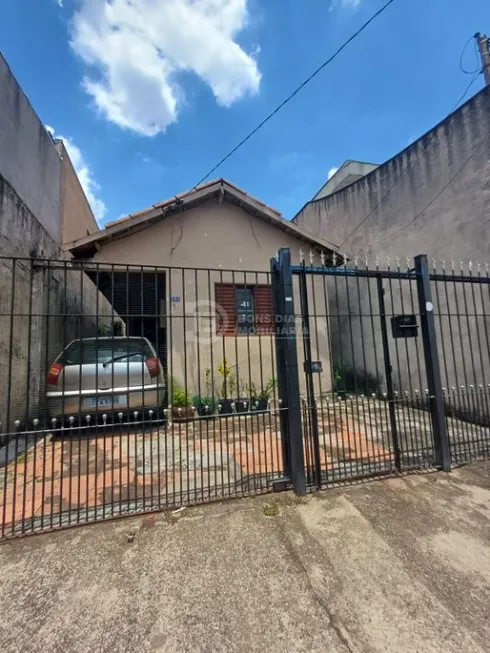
x=244 y=310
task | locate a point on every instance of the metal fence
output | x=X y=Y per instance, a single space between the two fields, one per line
x=408 y=367
x=127 y=389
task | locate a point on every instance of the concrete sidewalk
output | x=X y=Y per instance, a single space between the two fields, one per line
x=393 y=565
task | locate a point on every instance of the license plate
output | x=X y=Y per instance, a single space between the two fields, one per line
x=105 y=402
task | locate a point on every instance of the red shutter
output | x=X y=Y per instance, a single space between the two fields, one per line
x=264 y=312
x=225 y=309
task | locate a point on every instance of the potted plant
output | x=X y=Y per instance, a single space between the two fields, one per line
x=181 y=408
x=260 y=399
x=339 y=384
x=225 y=402
x=242 y=403
x=206 y=404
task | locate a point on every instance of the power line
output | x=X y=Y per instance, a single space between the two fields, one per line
x=426 y=145
x=434 y=199
x=296 y=91
x=475 y=48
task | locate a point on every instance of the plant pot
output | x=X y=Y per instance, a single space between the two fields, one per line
x=182 y=413
x=242 y=405
x=226 y=406
x=206 y=410
x=260 y=405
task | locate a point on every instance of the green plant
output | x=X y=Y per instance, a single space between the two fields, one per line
x=228 y=384
x=265 y=393
x=180 y=396
x=270 y=510
x=354 y=381
x=116 y=328
x=205 y=400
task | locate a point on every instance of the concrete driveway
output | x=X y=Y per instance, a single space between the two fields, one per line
x=393 y=565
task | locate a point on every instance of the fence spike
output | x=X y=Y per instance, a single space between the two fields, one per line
x=397 y=262
x=17 y=423
x=311 y=256
x=322 y=258
x=443 y=263
x=356 y=261
x=334 y=259
x=345 y=259
x=150 y=412
x=104 y=418
x=470 y=265
x=35 y=422
x=301 y=256
x=87 y=419
x=452 y=265
x=377 y=261
x=478 y=267
x=486 y=266
x=388 y=262
x=434 y=264
x=461 y=265
x=135 y=415
x=120 y=416
x=71 y=419
x=53 y=422
x=407 y=261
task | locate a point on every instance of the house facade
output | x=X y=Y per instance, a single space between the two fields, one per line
x=203 y=261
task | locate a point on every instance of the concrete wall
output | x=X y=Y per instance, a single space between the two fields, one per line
x=42 y=307
x=433 y=198
x=77 y=218
x=28 y=158
x=219 y=239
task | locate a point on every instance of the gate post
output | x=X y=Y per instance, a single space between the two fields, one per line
x=287 y=368
x=436 y=399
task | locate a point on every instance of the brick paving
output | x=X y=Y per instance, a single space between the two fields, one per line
x=81 y=477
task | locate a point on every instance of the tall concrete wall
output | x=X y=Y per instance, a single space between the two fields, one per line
x=77 y=218
x=28 y=158
x=433 y=198
x=42 y=307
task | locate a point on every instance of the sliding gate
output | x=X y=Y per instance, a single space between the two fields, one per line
x=359 y=369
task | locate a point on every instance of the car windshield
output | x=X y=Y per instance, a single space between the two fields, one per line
x=85 y=352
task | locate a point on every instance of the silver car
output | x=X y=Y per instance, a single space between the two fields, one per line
x=93 y=376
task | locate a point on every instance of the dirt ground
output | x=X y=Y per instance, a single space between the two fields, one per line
x=395 y=565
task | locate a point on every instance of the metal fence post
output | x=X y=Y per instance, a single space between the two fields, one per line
x=436 y=399
x=288 y=373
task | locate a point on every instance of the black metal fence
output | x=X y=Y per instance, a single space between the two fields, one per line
x=127 y=389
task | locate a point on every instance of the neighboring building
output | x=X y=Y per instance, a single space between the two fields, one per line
x=433 y=198
x=347 y=174
x=194 y=249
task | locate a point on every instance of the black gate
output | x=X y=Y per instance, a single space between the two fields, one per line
x=361 y=352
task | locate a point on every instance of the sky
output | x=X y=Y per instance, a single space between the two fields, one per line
x=150 y=94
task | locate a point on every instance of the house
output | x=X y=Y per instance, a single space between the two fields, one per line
x=191 y=273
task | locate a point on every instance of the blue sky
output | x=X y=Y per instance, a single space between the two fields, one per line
x=150 y=94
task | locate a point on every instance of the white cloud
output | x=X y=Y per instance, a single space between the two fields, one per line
x=59 y=3
x=90 y=187
x=331 y=172
x=352 y=4
x=137 y=48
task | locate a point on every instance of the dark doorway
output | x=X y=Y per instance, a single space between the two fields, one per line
x=139 y=301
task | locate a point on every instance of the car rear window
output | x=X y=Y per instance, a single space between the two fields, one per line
x=83 y=352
